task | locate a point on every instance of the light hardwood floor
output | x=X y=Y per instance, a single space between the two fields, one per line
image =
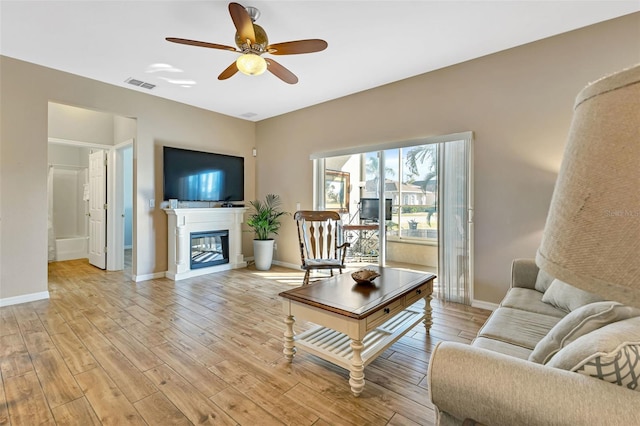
x=206 y=350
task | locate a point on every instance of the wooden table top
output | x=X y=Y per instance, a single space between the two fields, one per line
x=372 y=227
x=342 y=295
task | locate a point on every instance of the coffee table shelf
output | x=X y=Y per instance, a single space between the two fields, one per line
x=335 y=346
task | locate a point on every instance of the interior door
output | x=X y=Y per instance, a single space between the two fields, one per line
x=97 y=209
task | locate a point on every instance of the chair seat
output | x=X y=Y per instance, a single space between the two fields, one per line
x=329 y=263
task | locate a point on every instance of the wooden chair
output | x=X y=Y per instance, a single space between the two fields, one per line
x=318 y=238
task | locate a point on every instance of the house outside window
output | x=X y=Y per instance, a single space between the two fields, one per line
x=411 y=182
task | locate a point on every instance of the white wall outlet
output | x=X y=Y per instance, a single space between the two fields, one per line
x=152 y=203
x=275 y=246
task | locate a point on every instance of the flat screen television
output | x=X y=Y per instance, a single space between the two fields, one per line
x=202 y=176
x=369 y=209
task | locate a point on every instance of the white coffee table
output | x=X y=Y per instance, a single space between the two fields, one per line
x=356 y=323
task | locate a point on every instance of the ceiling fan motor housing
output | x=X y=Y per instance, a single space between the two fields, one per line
x=261 y=41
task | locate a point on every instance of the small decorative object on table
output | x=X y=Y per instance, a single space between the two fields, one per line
x=364 y=276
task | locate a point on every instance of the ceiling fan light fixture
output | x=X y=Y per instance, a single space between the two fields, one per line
x=252 y=42
x=251 y=64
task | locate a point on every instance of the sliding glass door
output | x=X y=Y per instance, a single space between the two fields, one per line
x=405 y=204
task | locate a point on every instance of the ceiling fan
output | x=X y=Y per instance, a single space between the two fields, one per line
x=252 y=43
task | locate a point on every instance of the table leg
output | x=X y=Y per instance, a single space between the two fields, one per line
x=289 y=347
x=427 y=313
x=356 y=372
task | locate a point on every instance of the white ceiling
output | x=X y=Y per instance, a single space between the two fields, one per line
x=371 y=43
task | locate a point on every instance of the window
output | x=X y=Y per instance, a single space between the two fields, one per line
x=411 y=181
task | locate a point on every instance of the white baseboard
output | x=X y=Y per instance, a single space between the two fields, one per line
x=147 y=277
x=287 y=265
x=8 y=301
x=481 y=304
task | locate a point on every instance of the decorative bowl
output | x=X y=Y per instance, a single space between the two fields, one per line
x=364 y=276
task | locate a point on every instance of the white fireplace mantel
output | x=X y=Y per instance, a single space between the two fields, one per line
x=182 y=222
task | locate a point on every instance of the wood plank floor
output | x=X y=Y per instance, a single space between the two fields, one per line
x=206 y=350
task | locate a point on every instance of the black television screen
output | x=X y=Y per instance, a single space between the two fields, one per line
x=369 y=209
x=202 y=176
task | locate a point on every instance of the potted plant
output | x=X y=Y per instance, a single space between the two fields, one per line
x=265 y=222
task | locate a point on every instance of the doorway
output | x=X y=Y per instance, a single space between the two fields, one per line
x=102 y=200
x=122 y=213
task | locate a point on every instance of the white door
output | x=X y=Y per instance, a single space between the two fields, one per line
x=97 y=209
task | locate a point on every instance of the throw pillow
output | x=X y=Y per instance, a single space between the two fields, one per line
x=566 y=297
x=543 y=281
x=578 y=323
x=621 y=367
x=611 y=353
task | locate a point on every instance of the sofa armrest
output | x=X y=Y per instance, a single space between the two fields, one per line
x=496 y=389
x=524 y=273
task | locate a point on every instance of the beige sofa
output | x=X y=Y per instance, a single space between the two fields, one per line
x=532 y=361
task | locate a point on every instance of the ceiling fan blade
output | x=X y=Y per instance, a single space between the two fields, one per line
x=297 y=47
x=281 y=72
x=229 y=71
x=200 y=43
x=242 y=22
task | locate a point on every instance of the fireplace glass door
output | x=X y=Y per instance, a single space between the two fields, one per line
x=209 y=248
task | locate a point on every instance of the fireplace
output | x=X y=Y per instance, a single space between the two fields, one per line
x=183 y=223
x=209 y=248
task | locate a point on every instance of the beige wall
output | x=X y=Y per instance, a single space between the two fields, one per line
x=26 y=90
x=517 y=102
x=80 y=124
x=124 y=129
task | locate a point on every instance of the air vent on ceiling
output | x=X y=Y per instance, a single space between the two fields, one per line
x=140 y=83
x=248 y=114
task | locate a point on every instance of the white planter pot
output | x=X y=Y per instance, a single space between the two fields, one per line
x=263 y=254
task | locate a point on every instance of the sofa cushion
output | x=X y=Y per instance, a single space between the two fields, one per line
x=610 y=353
x=543 y=281
x=501 y=347
x=578 y=323
x=517 y=327
x=566 y=297
x=530 y=300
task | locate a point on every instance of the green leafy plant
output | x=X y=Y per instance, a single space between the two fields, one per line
x=265 y=217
